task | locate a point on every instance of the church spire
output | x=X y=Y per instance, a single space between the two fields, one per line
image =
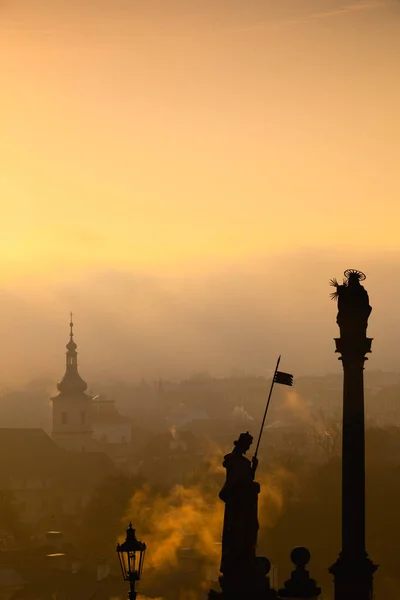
x=72 y=382
x=71 y=346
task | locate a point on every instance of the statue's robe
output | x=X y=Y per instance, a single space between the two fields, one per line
x=240 y=494
x=353 y=310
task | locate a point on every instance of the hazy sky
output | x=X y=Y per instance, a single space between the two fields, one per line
x=166 y=137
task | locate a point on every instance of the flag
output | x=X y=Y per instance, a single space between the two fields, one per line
x=283 y=378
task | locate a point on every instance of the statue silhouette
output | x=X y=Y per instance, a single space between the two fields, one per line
x=353 y=305
x=240 y=494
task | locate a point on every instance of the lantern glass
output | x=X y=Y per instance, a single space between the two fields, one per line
x=131 y=556
x=141 y=561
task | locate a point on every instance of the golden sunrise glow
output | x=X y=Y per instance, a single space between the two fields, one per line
x=134 y=140
x=191 y=174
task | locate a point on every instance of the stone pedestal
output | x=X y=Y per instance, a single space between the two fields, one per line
x=353 y=578
x=251 y=584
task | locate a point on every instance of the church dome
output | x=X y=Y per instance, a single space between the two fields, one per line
x=71 y=345
x=72 y=382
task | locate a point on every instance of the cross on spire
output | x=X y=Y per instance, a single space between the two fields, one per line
x=71 y=325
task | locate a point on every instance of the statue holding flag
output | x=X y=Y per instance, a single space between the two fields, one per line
x=240 y=494
x=244 y=575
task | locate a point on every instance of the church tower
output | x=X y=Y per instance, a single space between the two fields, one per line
x=72 y=418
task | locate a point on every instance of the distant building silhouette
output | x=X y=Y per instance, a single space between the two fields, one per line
x=72 y=407
x=51 y=568
x=108 y=424
x=46 y=481
x=169 y=458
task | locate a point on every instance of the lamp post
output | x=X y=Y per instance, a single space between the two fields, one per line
x=131 y=557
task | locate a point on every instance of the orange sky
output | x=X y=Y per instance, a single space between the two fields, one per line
x=226 y=157
x=157 y=132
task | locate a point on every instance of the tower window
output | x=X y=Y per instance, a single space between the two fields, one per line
x=83 y=417
x=64 y=418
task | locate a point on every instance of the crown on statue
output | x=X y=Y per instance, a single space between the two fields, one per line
x=354 y=274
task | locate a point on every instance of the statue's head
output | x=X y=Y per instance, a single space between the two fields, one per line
x=354 y=277
x=244 y=442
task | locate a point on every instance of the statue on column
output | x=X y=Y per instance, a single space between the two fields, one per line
x=353 y=304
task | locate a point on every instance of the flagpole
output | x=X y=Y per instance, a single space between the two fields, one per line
x=266 y=408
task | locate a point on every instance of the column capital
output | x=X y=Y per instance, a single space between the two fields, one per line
x=353 y=348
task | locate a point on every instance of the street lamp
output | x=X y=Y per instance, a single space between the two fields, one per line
x=131 y=557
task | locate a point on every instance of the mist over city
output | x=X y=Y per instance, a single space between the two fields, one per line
x=135 y=324
x=199 y=299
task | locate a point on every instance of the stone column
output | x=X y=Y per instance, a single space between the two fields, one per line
x=353 y=571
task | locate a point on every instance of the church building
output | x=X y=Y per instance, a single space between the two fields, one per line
x=72 y=407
